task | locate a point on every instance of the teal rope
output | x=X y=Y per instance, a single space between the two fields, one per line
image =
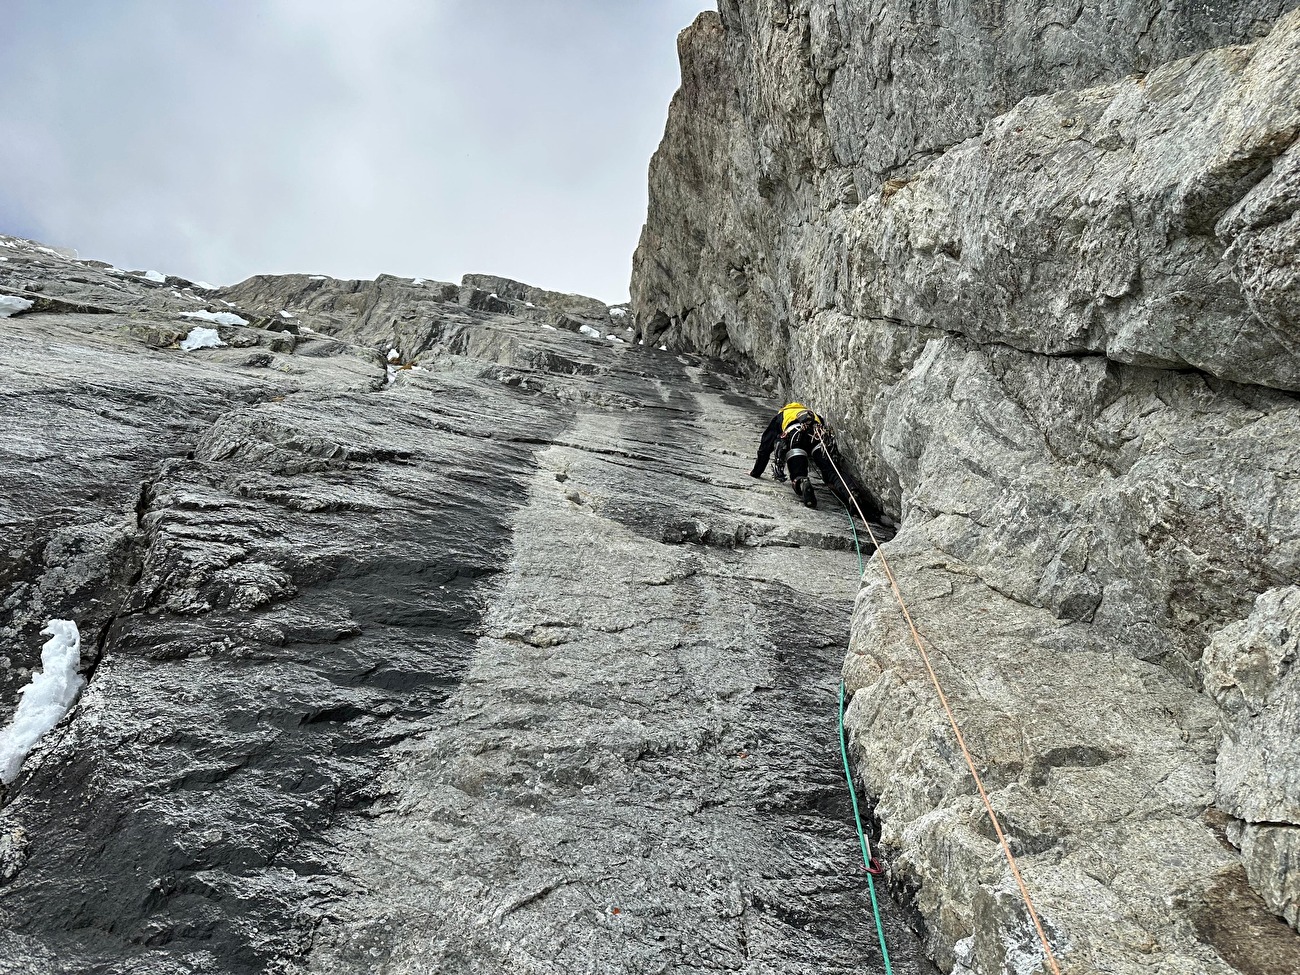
x=848 y=777
x=862 y=841
x=853 y=527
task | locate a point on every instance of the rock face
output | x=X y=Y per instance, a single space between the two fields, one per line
x=1040 y=262
x=484 y=657
x=1250 y=669
x=1067 y=224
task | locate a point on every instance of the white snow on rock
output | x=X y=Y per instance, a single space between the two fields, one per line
x=218 y=317
x=204 y=286
x=551 y=327
x=202 y=338
x=615 y=338
x=393 y=355
x=318 y=277
x=46 y=699
x=155 y=276
x=529 y=304
x=417 y=281
x=588 y=330
x=286 y=314
x=12 y=305
x=617 y=312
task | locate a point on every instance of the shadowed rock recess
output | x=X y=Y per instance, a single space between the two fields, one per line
x=1041 y=261
x=479 y=655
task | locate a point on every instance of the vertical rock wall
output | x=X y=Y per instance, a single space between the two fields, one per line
x=1039 y=262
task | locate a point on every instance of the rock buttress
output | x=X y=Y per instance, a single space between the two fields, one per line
x=1040 y=264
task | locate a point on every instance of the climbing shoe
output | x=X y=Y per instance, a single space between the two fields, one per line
x=779 y=474
x=807 y=493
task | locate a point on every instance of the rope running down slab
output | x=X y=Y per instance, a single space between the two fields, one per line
x=952 y=720
x=868 y=860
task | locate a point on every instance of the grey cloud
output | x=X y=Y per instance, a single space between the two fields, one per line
x=220 y=139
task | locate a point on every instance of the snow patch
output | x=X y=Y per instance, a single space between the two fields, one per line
x=551 y=327
x=218 y=317
x=615 y=338
x=46 y=699
x=393 y=355
x=617 y=312
x=286 y=314
x=154 y=276
x=318 y=277
x=202 y=338
x=588 y=330
x=204 y=286
x=529 y=304
x=417 y=281
x=12 y=305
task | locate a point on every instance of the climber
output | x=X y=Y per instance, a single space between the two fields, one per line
x=772 y=440
x=795 y=434
x=807 y=440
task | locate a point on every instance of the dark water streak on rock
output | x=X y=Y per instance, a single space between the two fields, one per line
x=296 y=580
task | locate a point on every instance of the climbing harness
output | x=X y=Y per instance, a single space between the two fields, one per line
x=952 y=720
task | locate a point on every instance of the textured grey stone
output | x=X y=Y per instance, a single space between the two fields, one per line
x=1144 y=220
x=896 y=82
x=1249 y=668
x=1100 y=766
x=527 y=294
x=503 y=666
x=1040 y=264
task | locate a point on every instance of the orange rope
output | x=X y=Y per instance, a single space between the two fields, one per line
x=952 y=720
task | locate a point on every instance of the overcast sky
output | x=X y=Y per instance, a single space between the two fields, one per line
x=221 y=138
